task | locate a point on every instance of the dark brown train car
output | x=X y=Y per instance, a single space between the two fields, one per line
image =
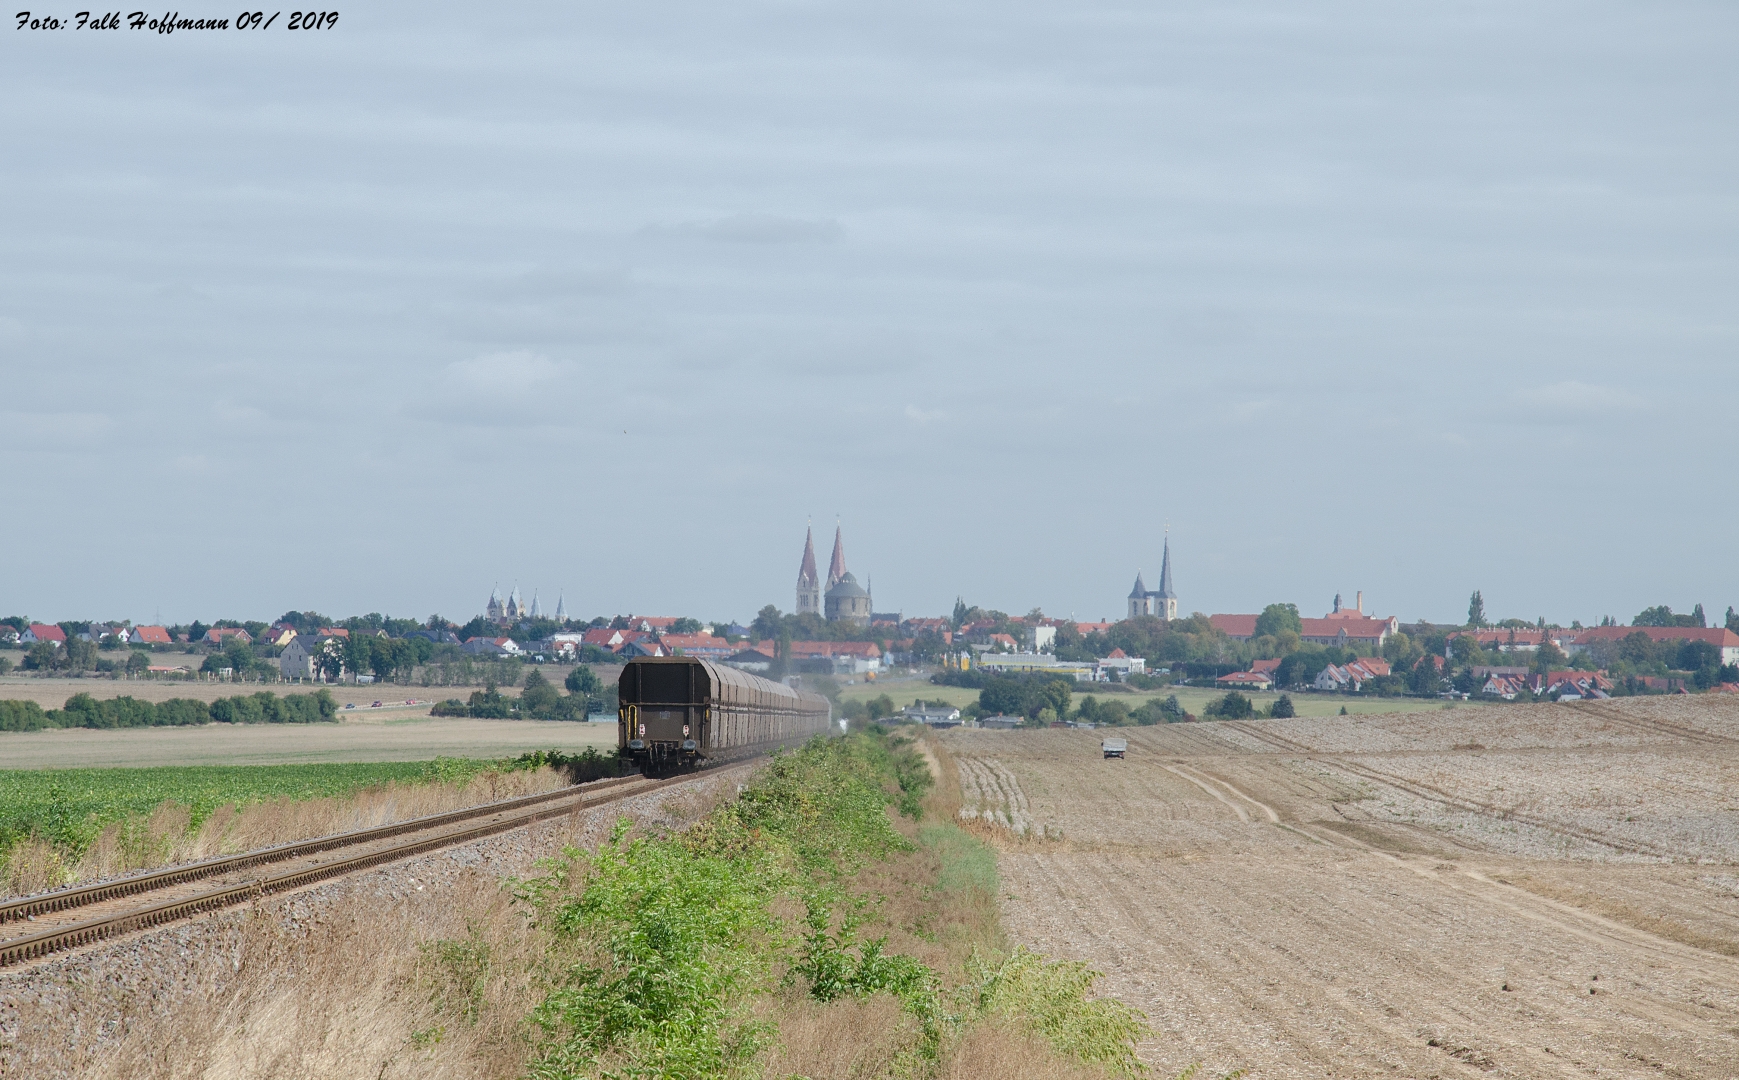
x=676 y=710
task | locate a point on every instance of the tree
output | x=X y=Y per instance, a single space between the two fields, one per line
x=138 y=662
x=1698 y=619
x=1278 y=618
x=1234 y=706
x=1732 y=620
x=1662 y=615
x=538 y=697
x=1476 y=610
x=1282 y=708
x=329 y=661
x=581 y=680
x=685 y=625
x=959 y=611
x=767 y=624
x=1549 y=658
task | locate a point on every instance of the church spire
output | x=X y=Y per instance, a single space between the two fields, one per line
x=836 y=568
x=1165 y=590
x=806 y=572
x=808 y=581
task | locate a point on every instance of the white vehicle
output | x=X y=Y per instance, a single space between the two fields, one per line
x=1114 y=748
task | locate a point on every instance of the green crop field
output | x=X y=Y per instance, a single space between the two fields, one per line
x=71 y=807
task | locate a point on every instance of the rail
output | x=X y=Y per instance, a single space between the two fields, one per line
x=521 y=811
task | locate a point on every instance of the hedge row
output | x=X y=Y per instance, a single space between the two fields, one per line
x=84 y=711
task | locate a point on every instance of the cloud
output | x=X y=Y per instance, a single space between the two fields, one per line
x=503 y=374
x=755 y=229
x=1581 y=397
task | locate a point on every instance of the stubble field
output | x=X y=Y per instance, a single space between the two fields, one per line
x=1532 y=891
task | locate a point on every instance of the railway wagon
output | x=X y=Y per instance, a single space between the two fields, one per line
x=677 y=711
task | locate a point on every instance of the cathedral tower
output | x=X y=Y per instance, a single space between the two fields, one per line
x=808 y=582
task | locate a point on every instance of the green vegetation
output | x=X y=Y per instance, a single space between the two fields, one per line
x=82 y=710
x=71 y=807
x=674 y=953
x=539 y=700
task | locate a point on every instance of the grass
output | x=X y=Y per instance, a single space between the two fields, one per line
x=63 y=825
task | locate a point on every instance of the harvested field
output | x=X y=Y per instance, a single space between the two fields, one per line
x=1511 y=891
x=367 y=735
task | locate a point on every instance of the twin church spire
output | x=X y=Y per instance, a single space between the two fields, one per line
x=841 y=597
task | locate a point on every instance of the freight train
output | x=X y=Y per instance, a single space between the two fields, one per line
x=677 y=712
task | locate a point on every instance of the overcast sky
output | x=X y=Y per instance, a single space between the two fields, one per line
x=610 y=299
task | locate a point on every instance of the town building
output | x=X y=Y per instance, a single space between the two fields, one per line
x=40 y=632
x=154 y=635
x=1720 y=637
x=508 y=613
x=836 y=657
x=808 y=580
x=301 y=657
x=483 y=646
x=845 y=599
x=1160 y=603
x=223 y=635
x=1353 y=676
x=1342 y=628
x=936 y=716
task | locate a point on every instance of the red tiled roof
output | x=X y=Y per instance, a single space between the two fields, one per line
x=809 y=650
x=1356 y=629
x=332 y=631
x=153 y=635
x=1719 y=636
x=47 y=632
x=1116 y=654
x=1085 y=628
x=1238 y=626
x=1265 y=667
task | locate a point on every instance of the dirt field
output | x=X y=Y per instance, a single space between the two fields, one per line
x=1535 y=891
x=371 y=735
x=1193 y=698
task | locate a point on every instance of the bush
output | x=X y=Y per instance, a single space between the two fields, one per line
x=23 y=716
x=450 y=707
x=1234 y=706
x=1282 y=708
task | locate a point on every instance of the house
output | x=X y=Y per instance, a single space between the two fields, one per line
x=1504 y=686
x=487 y=646
x=1571 y=685
x=332 y=631
x=937 y=716
x=1342 y=628
x=37 y=632
x=150 y=635
x=1353 y=676
x=642 y=645
x=301 y=657
x=1000 y=721
x=1244 y=680
x=652 y=624
x=1118 y=666
x=701 y=646
x=604 y=638
x=928 y=626
x=837 y=657
x=1516 y=639
x=1266 y=667
x=279 y=634
x=1720 y=637
x=227 y=634
x=437 y=637
x=1085 y=628
x=755 y=659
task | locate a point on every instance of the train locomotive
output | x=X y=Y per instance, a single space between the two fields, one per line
x=678 y=712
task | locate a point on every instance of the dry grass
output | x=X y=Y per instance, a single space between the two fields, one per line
x=270 y=1000
x=164 y=839
x=993 y=1052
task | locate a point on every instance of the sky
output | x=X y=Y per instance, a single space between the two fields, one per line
x=610 y=301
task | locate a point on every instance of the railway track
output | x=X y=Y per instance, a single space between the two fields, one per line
x=84 y=914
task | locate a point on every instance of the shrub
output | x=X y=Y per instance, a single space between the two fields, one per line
x=1282 y=708
x=1234 y=706
x=23 y=716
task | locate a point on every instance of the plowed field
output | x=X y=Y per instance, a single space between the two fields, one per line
x=1533 y=891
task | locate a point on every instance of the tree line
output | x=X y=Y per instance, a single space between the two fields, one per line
x=84 y=711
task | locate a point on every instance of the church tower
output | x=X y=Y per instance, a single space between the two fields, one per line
x=1166 y=606
x=1139 y=602
x=836 y=567
x=808 y=582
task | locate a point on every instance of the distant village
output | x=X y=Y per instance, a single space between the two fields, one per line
x=834 y=630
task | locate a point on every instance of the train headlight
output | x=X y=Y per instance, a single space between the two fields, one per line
x=636 y=744
x=689 y=746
